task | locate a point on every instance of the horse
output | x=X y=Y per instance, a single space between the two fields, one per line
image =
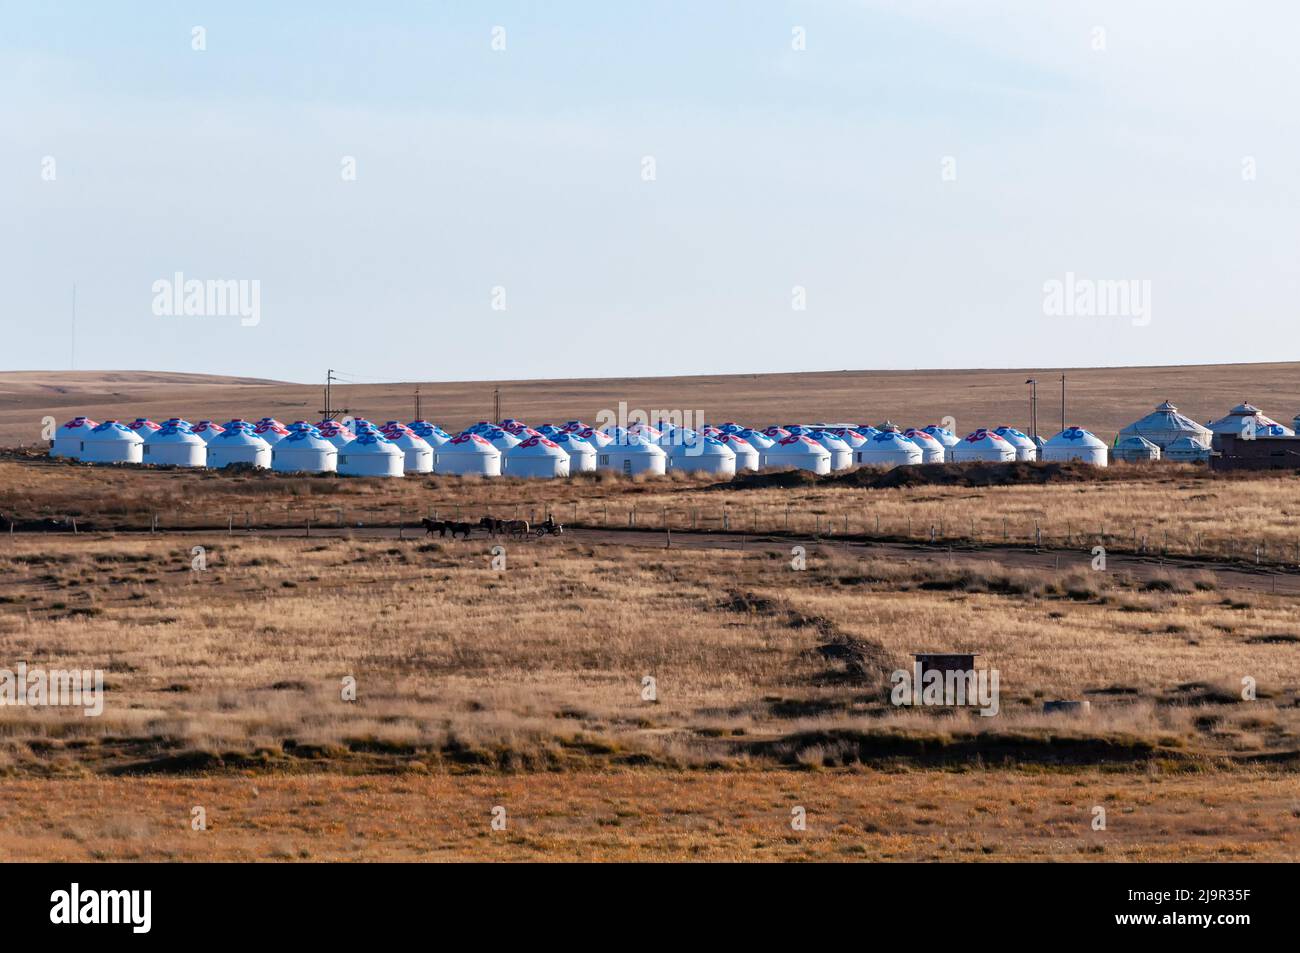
x=444 y=527
x=493 y=526
x=516 y=527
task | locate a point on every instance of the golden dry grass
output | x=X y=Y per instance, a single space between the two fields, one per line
x=524 y=687
x=638 y=815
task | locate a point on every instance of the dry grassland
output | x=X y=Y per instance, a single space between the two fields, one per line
x=1179 y=510
x=525 y=687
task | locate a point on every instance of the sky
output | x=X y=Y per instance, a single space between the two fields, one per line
x=495 y=190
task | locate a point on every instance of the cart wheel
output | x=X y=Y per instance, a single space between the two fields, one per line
x=539 y=531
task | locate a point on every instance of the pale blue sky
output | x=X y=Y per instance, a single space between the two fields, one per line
x=819 y=168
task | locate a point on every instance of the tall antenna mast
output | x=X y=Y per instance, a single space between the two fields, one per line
x=417 y=403
x=496 y=405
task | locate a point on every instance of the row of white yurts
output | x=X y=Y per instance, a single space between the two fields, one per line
x=512 y=448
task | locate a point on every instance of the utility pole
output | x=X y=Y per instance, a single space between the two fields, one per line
x=330 y=411
x=1062 y=402
x=417 y=403
x=496 y=405
x=1033 y=407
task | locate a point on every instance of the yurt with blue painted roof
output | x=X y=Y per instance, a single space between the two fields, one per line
x=1024 y=446
x=143 y=426
x=270 y=430
x=112 y=442
x=945 y=437
x=304 y=450
x=175 y=445
x=499 y=438
x=582 y=455
x=416 y=452
x=799 y=452
x=431 y=434
x=597 y=438
x=238 y=444
x=69 y=437
x=985 y=446
x=889 y=448
x=756 y=438
x=1075 y=443
x=467 y=454
x=535 y=458
x=747 y=455
x=207 y=430
x=371 y=454
x=631 y=455
x=696 y=453
x=851 y=437
x=932 y=451
x=336 y=433
x=841 y=453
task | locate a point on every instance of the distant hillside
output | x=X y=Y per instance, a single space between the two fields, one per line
x=1101 y=399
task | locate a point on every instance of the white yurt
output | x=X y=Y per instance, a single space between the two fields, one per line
x=631 y=455
x=573 y=426
x=174 y=445
x=932 y=451
x=1075 y=443
x=582 y=455
x=776 y=434
x=467 y=453
x=597 y=438
x=801 y=453
x=304 y=450
x=535 y=457
x=1134 y=449
x=731 y=426
x=237 y=443
x=945 y=437
x=270 y=430
x=1026 y=449
x=850 y=436
x=371 y=454
x=511 y=425
x=756 y=438
x=550 y=431
x=417 y=452
x=1164 y=425
x=983 y=445
x=747 y=456
x=841 y=453
x=112 y=442
x=68 y=438
x=499 y=438
x=702 y=455
x=1242 y=420
x=889 y=448
x=143 y=426
x=1187 y=449
x=798 y=430
x=207 y=430
x=431 y=434
x=336 y=433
